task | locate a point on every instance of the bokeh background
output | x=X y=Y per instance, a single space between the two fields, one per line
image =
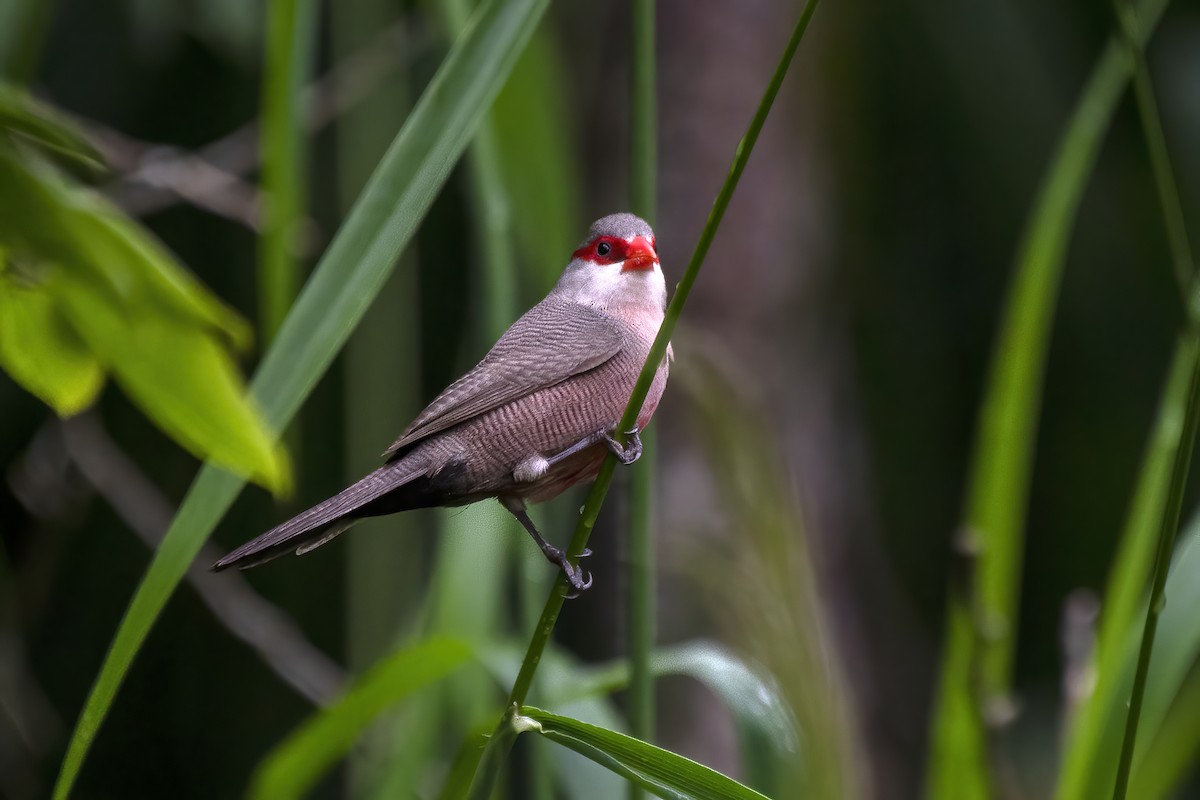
x=843 y=322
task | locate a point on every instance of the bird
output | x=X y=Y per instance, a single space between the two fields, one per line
x=536 y=416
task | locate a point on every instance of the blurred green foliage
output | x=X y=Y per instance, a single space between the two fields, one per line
x=98 y=295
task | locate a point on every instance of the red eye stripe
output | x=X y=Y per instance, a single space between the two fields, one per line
x=617 y=249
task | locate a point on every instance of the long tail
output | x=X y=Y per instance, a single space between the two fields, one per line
x=316 y=526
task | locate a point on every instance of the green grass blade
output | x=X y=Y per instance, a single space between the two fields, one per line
x=977 y=664
x=643 y=190
x=1084 y=757
x=1172 y=754
x=466 y=761
x=1167 y=686
x=753 y=699
x=662 y=772
x=345 y=281
x=296 y=764
x=1178 y=650
x=1173 y=216
x=290 y=39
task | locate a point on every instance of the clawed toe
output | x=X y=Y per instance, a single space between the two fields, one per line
x=579 y=580
x=628 y=453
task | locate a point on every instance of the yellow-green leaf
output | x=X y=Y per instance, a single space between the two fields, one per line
x=42 y=352
x=46 y=128
x=180 y=377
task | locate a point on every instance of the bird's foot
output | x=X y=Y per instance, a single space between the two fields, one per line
x=579 y=579
x=628 y=453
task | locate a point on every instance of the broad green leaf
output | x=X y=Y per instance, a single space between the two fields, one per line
x=42 y=352
x=295 y=765
x=345 y=281
x=143 y=317
x=42 y=216
x=33 y=121
x=662 y=772
x=181 y=378
x=977 y=662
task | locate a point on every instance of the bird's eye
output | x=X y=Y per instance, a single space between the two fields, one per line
x=603 y=249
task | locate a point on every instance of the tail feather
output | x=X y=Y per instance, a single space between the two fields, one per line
x=316 y=526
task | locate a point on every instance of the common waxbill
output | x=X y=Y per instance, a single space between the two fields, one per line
x=533 y=418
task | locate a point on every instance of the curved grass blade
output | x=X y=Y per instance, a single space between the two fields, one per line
x=1171 y=756
x=1155 y=510
x=1180 y=248
x=981 y=630
x=563 y=683
x=296 y=764
x=754 y=700
x=662 y=772
x=1177 y=652
x=345 y=281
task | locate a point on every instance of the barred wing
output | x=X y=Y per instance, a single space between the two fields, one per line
x=551 y=343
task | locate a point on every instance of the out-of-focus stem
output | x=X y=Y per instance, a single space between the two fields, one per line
x=380 y=381
x=643 y=170
x=1188 y=352
x=290 y=25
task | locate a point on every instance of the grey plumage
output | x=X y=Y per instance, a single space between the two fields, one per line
x=560 y=373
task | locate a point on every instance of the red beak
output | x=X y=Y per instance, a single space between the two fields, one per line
x=640 y=255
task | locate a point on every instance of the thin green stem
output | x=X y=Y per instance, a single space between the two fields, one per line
x=1156 y=144
x=1181 y=256
x=643 y=173
x=290 y=26
x=503 y=737
x=1162 y=561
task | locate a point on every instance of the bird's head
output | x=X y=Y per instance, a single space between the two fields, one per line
x=616 y=264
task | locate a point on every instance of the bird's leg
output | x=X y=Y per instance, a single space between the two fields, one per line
x=578 y=579
x=630 y=452
x=626 y=454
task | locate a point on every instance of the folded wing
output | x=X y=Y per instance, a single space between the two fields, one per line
x=551 y=343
